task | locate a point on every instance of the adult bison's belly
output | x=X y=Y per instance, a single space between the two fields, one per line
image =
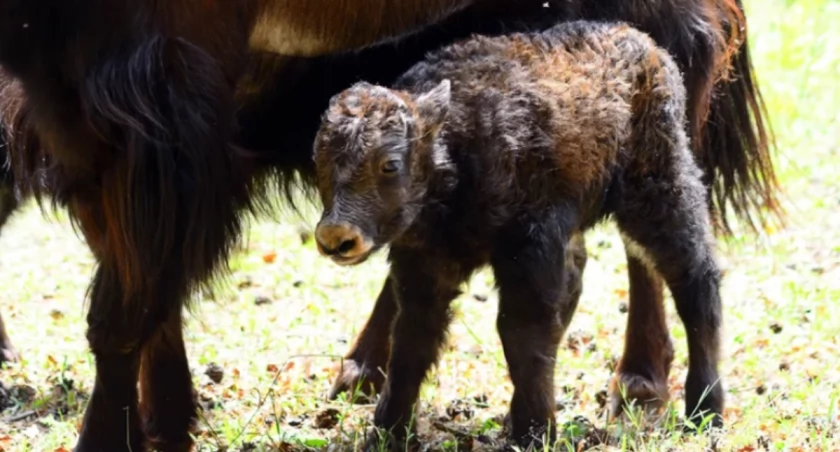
x=281 y=101
x=318 y=27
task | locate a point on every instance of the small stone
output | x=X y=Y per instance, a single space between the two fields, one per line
x=22 y=393
x=761 y=389
x=214 y=372
x=784 y=366
x=327 y=419
x=622 y=307
x=245 y=283
x=776 y=328
x=611 y=363
x=601 y=397
x=763 y=441
x=481 y=400
x=577 y=339
x=295 y=422
x=260 y=300
x=305 y=236
x=459 y=407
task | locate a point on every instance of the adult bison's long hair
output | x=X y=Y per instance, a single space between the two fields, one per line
x=160 y=125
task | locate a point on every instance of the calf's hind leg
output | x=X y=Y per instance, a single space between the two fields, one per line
x=535 y=307
x=664 y=222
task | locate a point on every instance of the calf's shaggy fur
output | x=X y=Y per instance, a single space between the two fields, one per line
x=500 y=151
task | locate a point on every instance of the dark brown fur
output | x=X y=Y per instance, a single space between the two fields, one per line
x=498 y=151
x=8 y=205
x=126 y=114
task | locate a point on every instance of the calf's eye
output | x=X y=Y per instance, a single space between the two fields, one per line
x=391 y=166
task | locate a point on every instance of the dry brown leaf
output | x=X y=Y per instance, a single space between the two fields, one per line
x=269 y=257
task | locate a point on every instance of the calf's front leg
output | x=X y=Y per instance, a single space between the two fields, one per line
x=535 y=307
x=424 y=293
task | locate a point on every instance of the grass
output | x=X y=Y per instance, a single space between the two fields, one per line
x=277 y=331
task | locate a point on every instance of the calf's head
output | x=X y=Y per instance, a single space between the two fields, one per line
x=375 y=155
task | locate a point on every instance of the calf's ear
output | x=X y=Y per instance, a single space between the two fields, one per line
x=433 y=105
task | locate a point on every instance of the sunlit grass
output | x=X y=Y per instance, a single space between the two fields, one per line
x=781 y=291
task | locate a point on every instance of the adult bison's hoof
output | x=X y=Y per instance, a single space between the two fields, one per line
x=641 y=391
x=85 y=445
x=359 y=381
x=181 y=446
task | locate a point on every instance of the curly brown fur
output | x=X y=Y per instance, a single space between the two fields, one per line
x=708 y=40
x=497 y=151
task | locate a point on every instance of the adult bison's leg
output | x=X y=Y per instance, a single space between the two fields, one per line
x=8 y=204
x=111 y=420
x=364 y=366
x=138 y=332
x=163 y=215
x=168 y=404
x=642 y=373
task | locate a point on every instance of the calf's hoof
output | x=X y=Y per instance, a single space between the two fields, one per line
x=627 y=388
x=361 y=382
x=169 y=446
x=703 y=407
x=534 y=438
x=380 y=440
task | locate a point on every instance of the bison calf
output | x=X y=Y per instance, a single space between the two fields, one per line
x=499 y=151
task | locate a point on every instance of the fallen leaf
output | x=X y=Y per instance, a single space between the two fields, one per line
x=269 y=257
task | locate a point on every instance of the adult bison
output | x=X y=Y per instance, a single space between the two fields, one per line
x=154 y=124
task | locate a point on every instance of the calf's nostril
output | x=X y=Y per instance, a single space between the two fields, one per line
x=346 y=246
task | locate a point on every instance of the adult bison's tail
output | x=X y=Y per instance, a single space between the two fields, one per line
x=732 y=137
x=735 y=141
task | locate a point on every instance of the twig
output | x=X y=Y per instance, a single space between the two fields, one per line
x=20 y=416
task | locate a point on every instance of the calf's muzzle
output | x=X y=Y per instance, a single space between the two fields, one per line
x=342 y=242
